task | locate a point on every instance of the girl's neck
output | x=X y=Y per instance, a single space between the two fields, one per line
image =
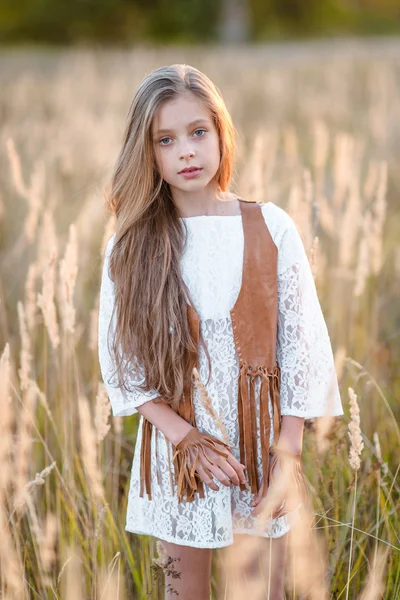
x=228 y=206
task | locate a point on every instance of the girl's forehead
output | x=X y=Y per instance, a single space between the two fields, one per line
x=180 y=112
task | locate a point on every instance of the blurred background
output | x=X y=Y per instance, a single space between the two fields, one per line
x=124 y=22
x=313 y=88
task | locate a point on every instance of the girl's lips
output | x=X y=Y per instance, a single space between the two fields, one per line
x=190 y=174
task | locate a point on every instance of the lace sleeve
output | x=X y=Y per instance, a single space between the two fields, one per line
x=123 y=403
x=309 y=386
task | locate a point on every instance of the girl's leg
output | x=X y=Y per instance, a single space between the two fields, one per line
x=253 y=567
x=194 y=569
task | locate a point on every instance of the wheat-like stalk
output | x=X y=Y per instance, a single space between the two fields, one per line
x=350 y=215
x=48 y=245
x=102 y=413
x=46 y=302
x=23 y=446
x=74 y=585
x=207 y=403
x=33 y=192
x=16 y=170
x=25 y=370
x=356 y=446
x=342 y=167
x=321 y=145
x=375 y=584
x=379 y=209
x=68 y=270
x=99 y=521
x=9 y=559
x=371 y=179
x=354 y=433
x=40 y=477
x=7 y=417
x=47 y=546
x=30 y=297
x=89 y=448
x=383 y=465
x=363 y=264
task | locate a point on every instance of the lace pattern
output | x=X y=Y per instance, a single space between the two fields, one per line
x=212 y=268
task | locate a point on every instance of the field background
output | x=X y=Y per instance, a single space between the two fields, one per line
x=318 y=127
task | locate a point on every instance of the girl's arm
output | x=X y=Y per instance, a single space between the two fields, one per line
x=291 y=435
x=309 y=386
x=162 y=416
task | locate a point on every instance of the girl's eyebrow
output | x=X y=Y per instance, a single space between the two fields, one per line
x=159 y=131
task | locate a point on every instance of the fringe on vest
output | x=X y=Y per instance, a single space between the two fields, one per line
x=187 y=486
x=270 y=381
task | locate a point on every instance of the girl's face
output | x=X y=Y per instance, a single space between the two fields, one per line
x=184 y=135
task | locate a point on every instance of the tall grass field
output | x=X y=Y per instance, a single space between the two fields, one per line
x=318 y=133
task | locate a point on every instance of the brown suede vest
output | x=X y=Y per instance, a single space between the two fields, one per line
x=254 y=320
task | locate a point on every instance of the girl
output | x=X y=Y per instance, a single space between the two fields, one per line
x=184 y=247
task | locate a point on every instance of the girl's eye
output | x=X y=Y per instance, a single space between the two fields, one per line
x=168 y=138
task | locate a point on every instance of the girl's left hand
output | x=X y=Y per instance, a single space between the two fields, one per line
x=277 y=501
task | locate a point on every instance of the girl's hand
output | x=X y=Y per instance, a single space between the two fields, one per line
x=214 y=457
x=228 y=471
x=281 y=496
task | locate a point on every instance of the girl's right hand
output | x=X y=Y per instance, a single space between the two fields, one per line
x=229 y=471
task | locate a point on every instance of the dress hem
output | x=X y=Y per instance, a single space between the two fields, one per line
x=294 y=514
x=210 y=547
x=168 y=538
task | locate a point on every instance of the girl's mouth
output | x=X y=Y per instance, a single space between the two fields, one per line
x=190 y=174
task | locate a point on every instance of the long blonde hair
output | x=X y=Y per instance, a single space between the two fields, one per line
x=152 y=332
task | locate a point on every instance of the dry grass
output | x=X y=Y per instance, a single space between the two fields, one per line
x=319 y=136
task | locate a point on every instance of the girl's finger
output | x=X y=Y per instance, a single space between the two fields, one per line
x=237 y=467
x=206 y=477
x=220 y=475
x=235 y=474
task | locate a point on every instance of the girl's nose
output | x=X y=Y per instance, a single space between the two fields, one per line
x=187 y=152
x=188 y=155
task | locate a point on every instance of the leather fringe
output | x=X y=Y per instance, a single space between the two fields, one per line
x=188 y=483
x=145 y=458
x=186 y=411
x=265 y=426
x=248 y=419
x=188 y=480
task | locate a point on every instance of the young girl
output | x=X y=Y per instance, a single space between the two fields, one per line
x=186 y=254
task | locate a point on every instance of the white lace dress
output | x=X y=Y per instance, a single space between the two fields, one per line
x=212 y=268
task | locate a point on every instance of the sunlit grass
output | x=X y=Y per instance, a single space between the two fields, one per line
x=318 y=135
